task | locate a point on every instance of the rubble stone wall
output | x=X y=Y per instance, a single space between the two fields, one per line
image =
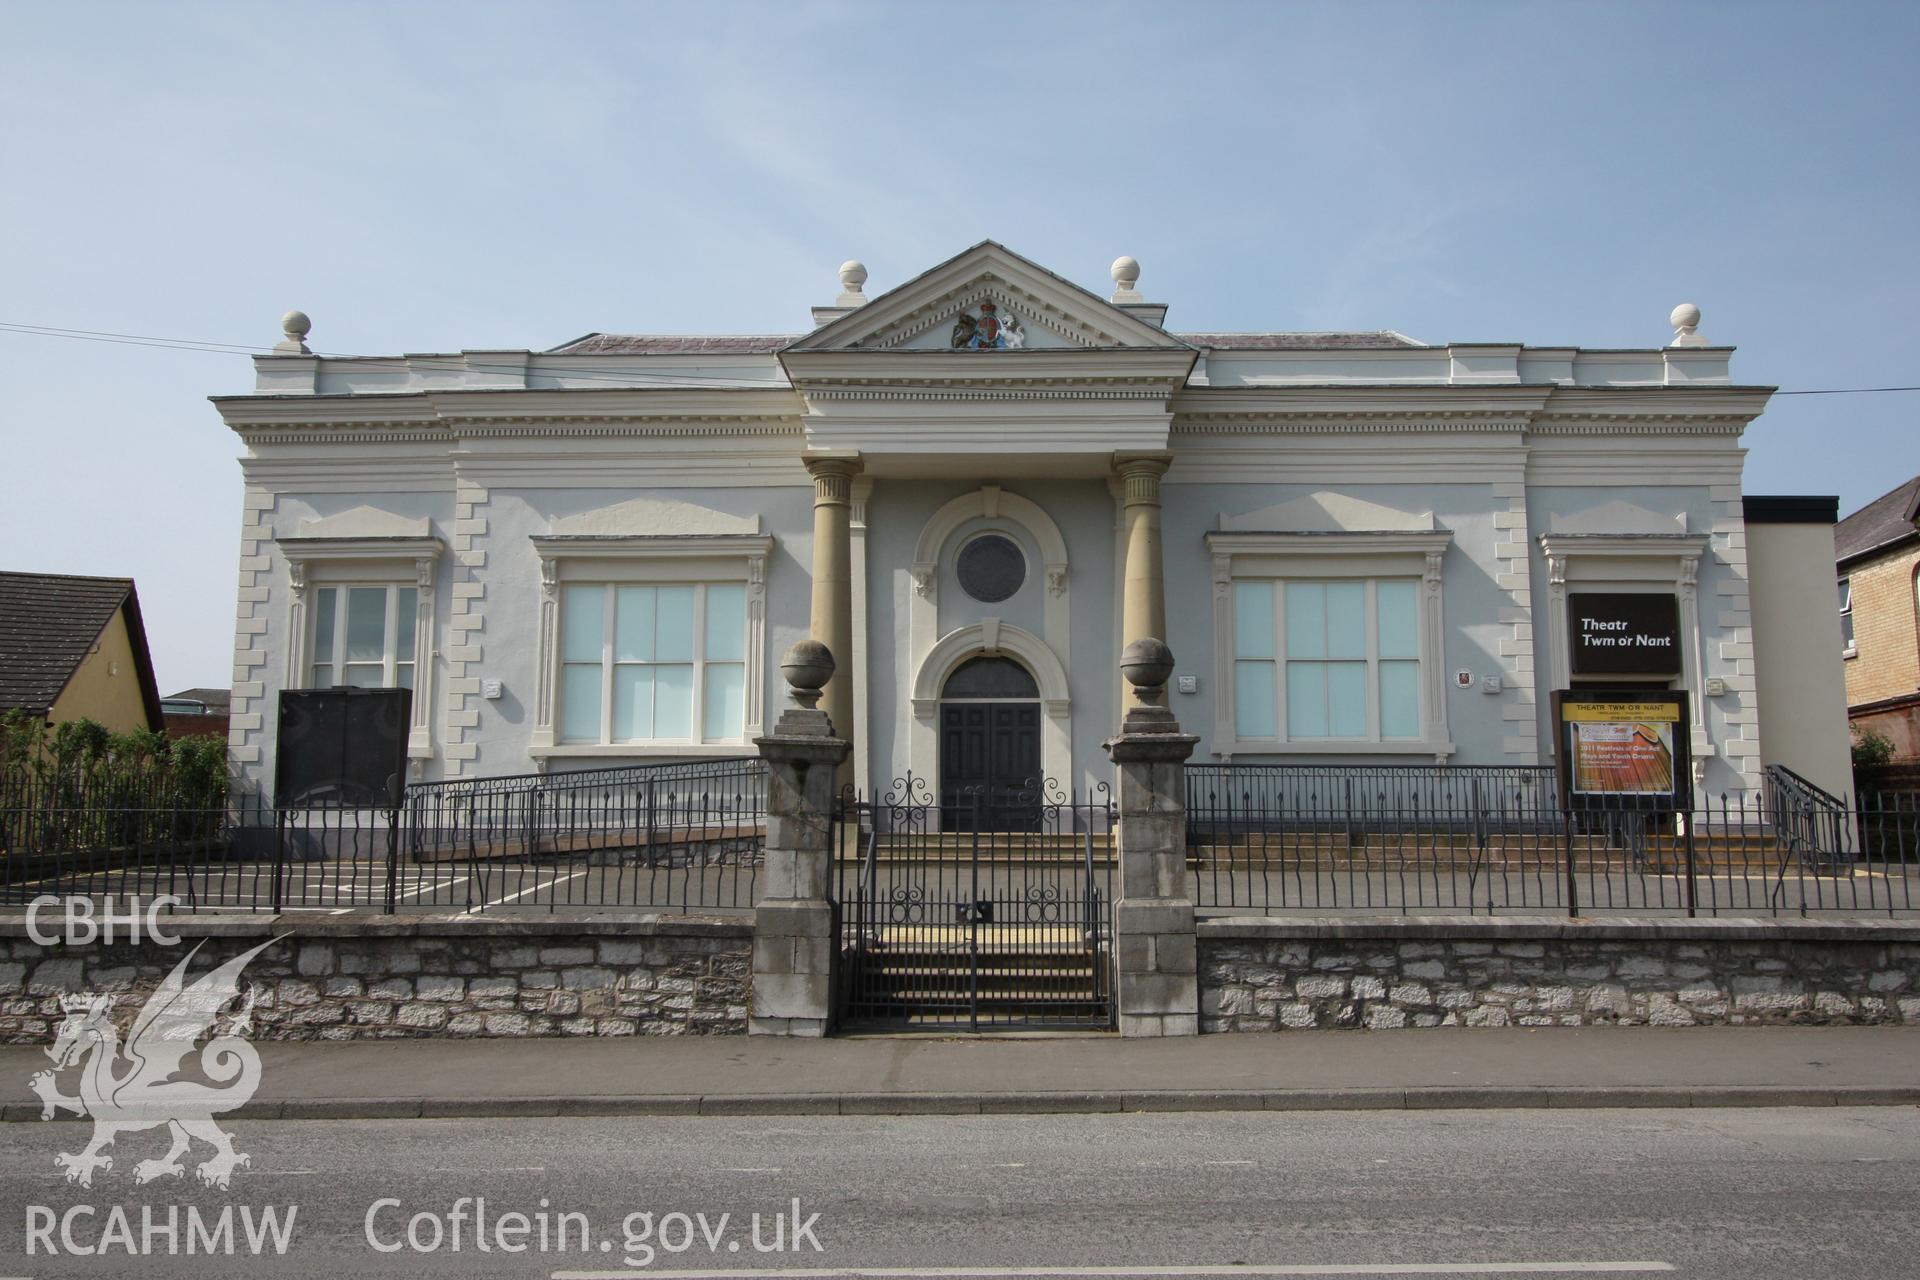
x=355 y=978
x=1275 y=975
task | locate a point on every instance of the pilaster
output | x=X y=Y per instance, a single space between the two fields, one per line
x=1513 y=574
x=247 y=734
x=832 y=610
x=466 y=623
x=1732 y=659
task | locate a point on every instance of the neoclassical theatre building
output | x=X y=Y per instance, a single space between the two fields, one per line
x=975 y=488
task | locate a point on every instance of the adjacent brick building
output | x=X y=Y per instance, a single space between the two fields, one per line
x=1878 y=550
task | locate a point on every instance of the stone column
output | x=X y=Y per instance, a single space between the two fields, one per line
x=1143 y=611
x=1155 y=955
x=793 y=942
x=832 y=617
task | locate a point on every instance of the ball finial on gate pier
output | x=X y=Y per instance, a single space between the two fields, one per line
x=807 y=666
x=1147 y=664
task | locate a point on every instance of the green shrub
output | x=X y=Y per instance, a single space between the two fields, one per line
x=1871 y=750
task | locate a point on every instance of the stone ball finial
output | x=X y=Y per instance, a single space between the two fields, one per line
x=853 y=275
x=1685 y=319
x=1126 y=271
x=807 y=666
x=1147 y=663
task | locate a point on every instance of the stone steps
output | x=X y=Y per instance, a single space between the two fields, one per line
x=932 y=975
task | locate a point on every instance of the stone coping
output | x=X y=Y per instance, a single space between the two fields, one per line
x=570 y=924
x=1589 y=928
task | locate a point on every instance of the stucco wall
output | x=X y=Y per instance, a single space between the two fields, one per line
x=487 y=597
x=1473 y=602
x=897 y=513
x=1733 y=720
x=264 y=638
x=503 y=727
x=105 y=687
x=1796 y=639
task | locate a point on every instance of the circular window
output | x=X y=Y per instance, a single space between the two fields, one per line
x=991 y=568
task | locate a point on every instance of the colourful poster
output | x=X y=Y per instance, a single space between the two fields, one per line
x=1622 y=748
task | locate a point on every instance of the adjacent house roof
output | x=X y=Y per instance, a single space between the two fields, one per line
x=216 y=701
x=1881 y=525
x=49 y=622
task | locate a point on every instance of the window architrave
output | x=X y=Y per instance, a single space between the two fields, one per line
x=1370 y=556
x=648 y=559
x=369 y=561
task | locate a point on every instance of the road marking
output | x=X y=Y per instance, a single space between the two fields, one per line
x=524 y=892
x=1230 y=1162
x=421 y=886
x=1008 y=1273
x=752 y=1170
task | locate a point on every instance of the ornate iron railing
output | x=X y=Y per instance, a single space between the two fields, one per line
x=674 y=836
x=1324 y=839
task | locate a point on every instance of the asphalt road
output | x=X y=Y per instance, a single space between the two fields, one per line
x=1753 y=1194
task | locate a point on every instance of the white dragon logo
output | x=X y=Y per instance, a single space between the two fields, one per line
x=136 y=1086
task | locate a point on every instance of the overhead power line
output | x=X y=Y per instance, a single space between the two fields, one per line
x=593 y=375
x=418 y=362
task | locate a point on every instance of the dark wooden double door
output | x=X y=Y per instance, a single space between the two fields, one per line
x=990 y=766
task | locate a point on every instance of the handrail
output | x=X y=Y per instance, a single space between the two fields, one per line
x=1812 y=788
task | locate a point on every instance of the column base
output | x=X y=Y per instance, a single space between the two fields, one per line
x=1145 y=1025
x=1159 y=983
x=812 y=1028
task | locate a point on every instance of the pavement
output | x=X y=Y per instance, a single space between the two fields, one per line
x=1438 y=1068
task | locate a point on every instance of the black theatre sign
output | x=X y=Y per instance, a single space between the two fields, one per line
x=1615 y=633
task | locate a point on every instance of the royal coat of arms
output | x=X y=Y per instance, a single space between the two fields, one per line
x=988 y=331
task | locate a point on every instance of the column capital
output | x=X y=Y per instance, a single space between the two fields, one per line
x=1139 y=475
x=832 y=479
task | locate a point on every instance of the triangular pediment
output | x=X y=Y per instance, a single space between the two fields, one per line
x=1328 y=512
x=1619 y=517
x=653 y=516
x=943 y=309
x=366 y=522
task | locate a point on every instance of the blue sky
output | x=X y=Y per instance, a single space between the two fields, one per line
x=428 y=177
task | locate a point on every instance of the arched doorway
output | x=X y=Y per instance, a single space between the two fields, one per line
x=990 y=772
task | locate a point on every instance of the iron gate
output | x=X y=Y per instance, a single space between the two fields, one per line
x=1002 y=918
